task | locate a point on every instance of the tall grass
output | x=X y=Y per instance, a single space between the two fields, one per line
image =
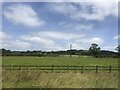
x=35 y=79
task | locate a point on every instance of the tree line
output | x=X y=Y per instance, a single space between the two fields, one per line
x=93 y=51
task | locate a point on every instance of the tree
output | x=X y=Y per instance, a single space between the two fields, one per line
x=94 y=50
x=118 y=49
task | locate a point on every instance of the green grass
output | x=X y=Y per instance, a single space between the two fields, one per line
x=17 y=60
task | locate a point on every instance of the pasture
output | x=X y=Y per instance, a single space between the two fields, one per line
x=63 y=60
x=36 y=79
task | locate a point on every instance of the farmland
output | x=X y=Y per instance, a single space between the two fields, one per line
x=36 y=79
x=30 y=60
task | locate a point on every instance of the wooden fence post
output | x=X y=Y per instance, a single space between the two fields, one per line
x=60 y=68
x=75 y=68
x=44 y=68
x=3 y=66
x=27 y=68
x=20 y=68
x=68 y=68
x=19 y=72
x=36 y=67
x=110 y=69
x=82 y=69
x=52 y=68
x=79 y=69
x=96 y=69
x=11 y=68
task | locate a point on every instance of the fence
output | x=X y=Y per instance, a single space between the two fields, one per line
x=60 y=68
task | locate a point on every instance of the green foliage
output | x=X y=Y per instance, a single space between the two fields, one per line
x=94 y=50
x=118 y=49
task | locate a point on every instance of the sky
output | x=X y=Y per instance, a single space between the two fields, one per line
x=55 y=25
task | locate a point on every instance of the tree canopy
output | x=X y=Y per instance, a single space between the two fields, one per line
x=94 y=49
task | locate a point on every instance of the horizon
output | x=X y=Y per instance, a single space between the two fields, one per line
x=55 y=50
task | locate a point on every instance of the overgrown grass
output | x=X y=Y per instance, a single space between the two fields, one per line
x=17 y=60
x=35 y=79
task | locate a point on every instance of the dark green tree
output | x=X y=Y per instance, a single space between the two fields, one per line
x=94 y=50
x=118 y=49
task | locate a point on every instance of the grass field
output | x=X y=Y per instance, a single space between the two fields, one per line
x=36 y=79
x=9 y=60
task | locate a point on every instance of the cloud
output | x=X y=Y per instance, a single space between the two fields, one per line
x=64 y=8
x=89 y=41
x=54 y=40
x=75 y=26
x=60 y=35
x=103 y=9
x=51 y=40
x=85 y=43
x=46 y=40
x=37 y=39
x=117 y=37
x=83 y=27
x=16 y=45
x=112 y=48
x=2 y=35
x=9 y=42
x=23 y=14
x=61 y=1
x=97 y=40
x=87 y=10
x=1 y=38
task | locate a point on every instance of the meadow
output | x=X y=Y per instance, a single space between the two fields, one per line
x=36 y=79
x=64 y=60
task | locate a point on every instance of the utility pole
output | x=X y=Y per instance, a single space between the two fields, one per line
x=70 y=50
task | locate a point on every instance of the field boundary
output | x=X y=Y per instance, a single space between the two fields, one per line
x=59 y=68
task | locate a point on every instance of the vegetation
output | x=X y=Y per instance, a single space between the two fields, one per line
x=62 y=60
x=118 y=49
x=94 y=51
x=35 y=79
